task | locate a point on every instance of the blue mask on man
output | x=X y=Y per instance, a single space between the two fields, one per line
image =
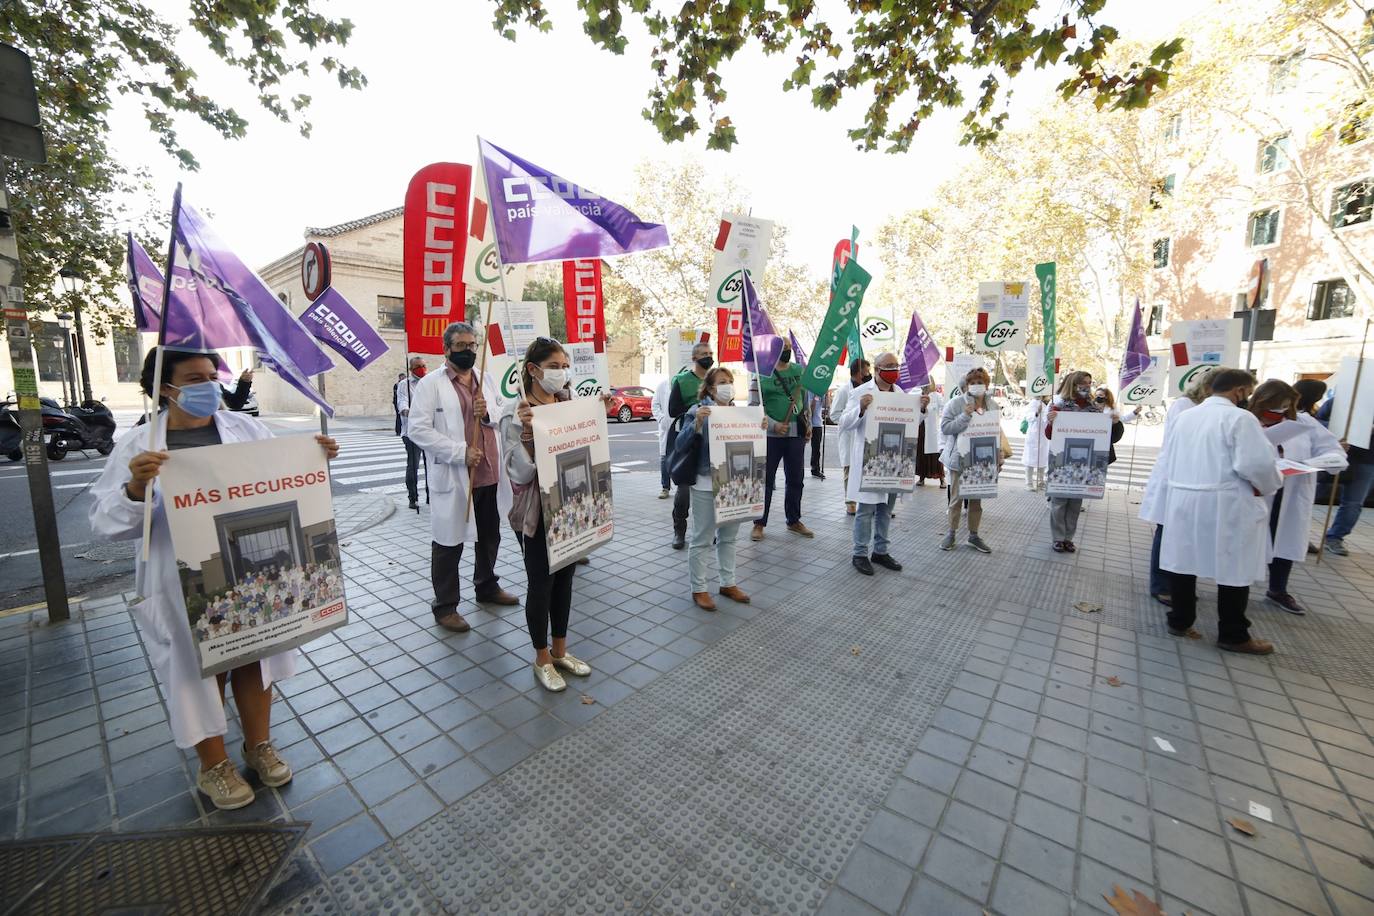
x=199 y=400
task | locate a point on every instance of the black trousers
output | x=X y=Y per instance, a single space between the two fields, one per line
x=414 y=455
x=787 y=451
x=1279 y=568
x=1232 y=625
x=548 y=599
x=443 y=561
x=818 y=448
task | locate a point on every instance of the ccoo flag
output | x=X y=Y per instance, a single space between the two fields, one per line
x=1136 y=359
x=219 y=277
x=919 y=356
x=540 y=216
x=335 y=322
x=761 y=342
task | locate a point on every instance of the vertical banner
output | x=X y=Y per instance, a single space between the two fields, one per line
x=958 y=365
x=1200 y=348
x=514 y=326
x=979 y=447
x=846 y=250
x=1049 y=291
x=591 y=376
x=252 y=525
x=1148 y=388
x=583 y=303
x=1347 y=401
x=1037 y=379
x=738 y=452
x=572 y=458
x=1079 y=449
x=841 y=319
x=890 y=429
x=1003 y=308
x=435 y=233
x=730 y=333
x=920 y=355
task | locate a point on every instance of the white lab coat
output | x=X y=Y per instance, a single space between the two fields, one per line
x=852 y=422
x=194 y=707
x=1300 y=491
x=1214 y=524
x=1036 y=452
x=1152 y=501
x=437 y=426
x=930 y=417
x=838 y=405
x=405 y=393
x=659 y=406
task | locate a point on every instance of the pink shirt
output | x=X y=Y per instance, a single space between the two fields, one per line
x=484 y=474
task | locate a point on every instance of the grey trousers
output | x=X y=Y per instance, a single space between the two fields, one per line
x=1064 y=517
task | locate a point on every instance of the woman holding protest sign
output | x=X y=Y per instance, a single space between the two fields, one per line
x=189 y=392
x=545 y=379
x=717 y=389
x=1075 y=396
x=954 y=421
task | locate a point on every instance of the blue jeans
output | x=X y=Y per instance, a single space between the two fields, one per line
x=1355 y=484
x=871 y=524
x=663 y=480
x=1160 y=582
x=699 y=547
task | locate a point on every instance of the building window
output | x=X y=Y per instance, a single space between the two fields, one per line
x=1173 y=128
x=1352 y=203
x=1156 y=320
x=1161 y=253
x=1331 y=299
x=1161 y=189
x=391 y=313
x=1263 y=228
x=1273 y=155
x=127 y=365
x=1283 y=72
x=51 y=353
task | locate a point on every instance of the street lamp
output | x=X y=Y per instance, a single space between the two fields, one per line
x=73 y=281
x=64 y=362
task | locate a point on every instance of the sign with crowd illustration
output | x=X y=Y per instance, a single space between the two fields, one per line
x=1079 y=448
x=256 y=549
x=1201 y=347
x=890 y=434
x=980 y=451
x=738 y=453
x=572 y=455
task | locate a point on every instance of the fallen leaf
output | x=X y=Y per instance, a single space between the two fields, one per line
x=1242 y=825
x=586 y=700
x=1114 y=681
x=1087 y=607
x=1136 y=905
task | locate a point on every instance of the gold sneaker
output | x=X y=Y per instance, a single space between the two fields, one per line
x=549 y=678
x=572 y=665
x=271 y=769
x=225 y=786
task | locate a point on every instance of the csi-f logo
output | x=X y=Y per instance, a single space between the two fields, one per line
x=731 y=288
x=1138 y=393
x=877 y=328
x=1001 y=334
x=1193 y=375
x=1039 y=385
x=488 y=266
x=510 y=382
x=588 y=387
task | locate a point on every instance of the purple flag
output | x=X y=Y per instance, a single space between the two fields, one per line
x=219 y=277
x=220 y=327
x=762 y=345
x=1136 y=359
x=798 y=354
x=540 y=216
x=919 y=356
x=335 y=322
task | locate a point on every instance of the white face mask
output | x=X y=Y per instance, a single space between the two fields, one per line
x=553 y=380
x=725 y=393
x=977 y=390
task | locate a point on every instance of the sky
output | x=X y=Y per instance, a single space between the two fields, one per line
x=438 y=75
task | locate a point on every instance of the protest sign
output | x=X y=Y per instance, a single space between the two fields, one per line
x=1200 y=348
x=572 y=457
x=680 y=344
x=591 y=376
x=979 y=448
x=1148 y=388
x=876 y=332
x=738 y=452
x=840 y=321
x=482 y=268
x=890 y=432
x=1079 y=448
x=514 y=326
x=584 y=303
x=741 y=242
x=252 y=526
x=1037 y=379
x=1345 y=393
x=958 y=365
x=1003 y=308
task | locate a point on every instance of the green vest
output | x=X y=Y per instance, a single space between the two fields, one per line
x=690 y=386
x=775 y=399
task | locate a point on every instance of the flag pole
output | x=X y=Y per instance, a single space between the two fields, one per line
x=324 y=418
x=1349 y=415
x=150 y=415
x=486 y=325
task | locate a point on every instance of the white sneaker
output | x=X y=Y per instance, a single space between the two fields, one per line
x=549 y=678
x=271 y=769
x=225 y=786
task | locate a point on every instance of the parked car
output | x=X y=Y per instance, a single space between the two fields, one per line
x=250 y=405
x=630 y=403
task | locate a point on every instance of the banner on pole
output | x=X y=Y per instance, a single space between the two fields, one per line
x=979 y=448
x=738 y=452
x=841 y=320
x=335 y=322
x=846 y=250
x=1079 y=449
x=434 y=233
x=1049 y=291
x=1136 y=358
x=1344 y=396
x=252 y=525
x=514 y=326
x=1199 y=348
x=1037 y=379
x=741 y=244
x=572 y=456
x=730 y=333
x=1148 y=388
x=920 y=355
x=591 y=374
x=890 y=432
x=584 y=305
x=482 y=266
x=1003 y=308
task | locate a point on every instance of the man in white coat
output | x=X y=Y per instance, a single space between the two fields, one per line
x=874 y=513
x=1217 y=473
x=452 y=418
x=404 y=391
x=659 y=407
x=858 y=375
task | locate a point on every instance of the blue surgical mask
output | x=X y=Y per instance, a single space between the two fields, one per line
x=200 y=399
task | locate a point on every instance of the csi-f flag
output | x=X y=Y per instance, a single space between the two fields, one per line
x=840 y=321
x=845 y=251
x=919 y=356
x=211 y=328
x=1136 y=359
x=761 y=342
x=335 y=322
x=542 y=216
x=220 y=276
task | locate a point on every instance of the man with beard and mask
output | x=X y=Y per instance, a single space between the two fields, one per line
x=858 y=375
x=452 y=417
x=685 y=392
x=402 y=393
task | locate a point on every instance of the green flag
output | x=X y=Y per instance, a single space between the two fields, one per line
x=1048 y=288
x=841 y=323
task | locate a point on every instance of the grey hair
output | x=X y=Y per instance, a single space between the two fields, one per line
x=414 y=360
x=453 y=330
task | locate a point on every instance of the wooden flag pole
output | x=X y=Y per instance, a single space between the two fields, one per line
x=1349 y=415
x=481 y=375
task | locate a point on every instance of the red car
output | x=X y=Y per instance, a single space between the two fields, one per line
x=630 y=403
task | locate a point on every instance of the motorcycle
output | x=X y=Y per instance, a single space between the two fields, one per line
x=11 y=433
x=90 y=426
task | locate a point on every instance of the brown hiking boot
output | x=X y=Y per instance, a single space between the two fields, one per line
x=757 y=533
x=799 y=528
x=454 y=621
x=1251 y=646
x=704 y=601
x=734 y=594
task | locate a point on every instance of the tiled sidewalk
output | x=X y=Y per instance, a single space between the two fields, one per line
x=956 y=716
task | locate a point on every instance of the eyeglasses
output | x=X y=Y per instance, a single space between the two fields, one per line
x=470 y=347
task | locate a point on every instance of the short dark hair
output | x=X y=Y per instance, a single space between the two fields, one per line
x=170 y=359
x=1310 y=391
x=1225 y=380
x=856 y=365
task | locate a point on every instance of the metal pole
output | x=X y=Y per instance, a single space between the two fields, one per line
x=324 y=420
x=30 y=417
x=1253 y=321
x=86 y=394
x=69 y=363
